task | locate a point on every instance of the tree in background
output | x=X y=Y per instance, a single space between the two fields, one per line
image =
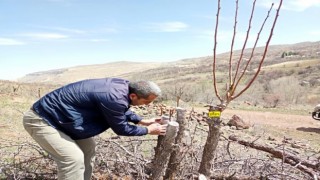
x=237 y=74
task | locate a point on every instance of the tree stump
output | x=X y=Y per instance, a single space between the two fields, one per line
x=164 y=151
x=176 y=156
x=212 y=141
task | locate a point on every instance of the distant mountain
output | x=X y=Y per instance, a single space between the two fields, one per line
x=66 y=75
x=186 y=68
x=290 y=75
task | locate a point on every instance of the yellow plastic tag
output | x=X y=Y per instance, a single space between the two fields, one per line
x=214 y=114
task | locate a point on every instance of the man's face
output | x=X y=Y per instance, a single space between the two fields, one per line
x=136 y=101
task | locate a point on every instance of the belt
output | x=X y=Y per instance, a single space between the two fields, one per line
x=35 y=112
x=32 y=109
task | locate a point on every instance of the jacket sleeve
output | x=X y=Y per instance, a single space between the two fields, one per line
x=133 y=117
x=117 y=119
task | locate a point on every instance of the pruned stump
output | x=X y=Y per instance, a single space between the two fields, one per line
x=164 y=150
x=210 y=147
x=164 y=120
x=176 y=156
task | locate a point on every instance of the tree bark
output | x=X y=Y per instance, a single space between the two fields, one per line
x=164 y=120
x=176 y=156
x=212 y=141
x=164 y=151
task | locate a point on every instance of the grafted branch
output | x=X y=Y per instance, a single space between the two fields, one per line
x=234 y=81
x=215 y=53
x=232 y=43
x=252 y=54
x=215 y=111
x=264 y=53
x=245 y=41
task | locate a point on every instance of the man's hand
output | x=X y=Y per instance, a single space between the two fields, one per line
x=157 y=129
x=147 y=122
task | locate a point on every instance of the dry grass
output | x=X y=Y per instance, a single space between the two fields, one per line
x=293 y=64
x=127 y=157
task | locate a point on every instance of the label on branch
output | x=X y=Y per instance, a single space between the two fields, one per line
x=214 y=114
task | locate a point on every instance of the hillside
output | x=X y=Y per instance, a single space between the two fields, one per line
x=276 y=109
x=300 y=51
x=290 y=75
x=63 y=76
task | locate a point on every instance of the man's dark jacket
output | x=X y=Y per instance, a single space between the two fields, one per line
x=86 y=108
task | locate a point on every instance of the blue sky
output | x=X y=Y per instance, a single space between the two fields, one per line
x=40 y=35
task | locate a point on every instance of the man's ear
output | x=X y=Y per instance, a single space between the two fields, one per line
x=133 y=96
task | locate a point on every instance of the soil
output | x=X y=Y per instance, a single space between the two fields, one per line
x=294 y=122
x=300 y=128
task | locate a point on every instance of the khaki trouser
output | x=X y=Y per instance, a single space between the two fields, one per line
x=73 y=157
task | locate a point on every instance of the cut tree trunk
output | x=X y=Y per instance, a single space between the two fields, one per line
x=212 y=141
x=164 y=151
x=176 y=156
x=164 y=120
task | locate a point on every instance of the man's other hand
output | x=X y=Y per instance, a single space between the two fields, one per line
x=147 y=122
x=157 y=129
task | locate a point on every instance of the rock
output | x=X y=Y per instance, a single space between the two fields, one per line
x=271 y=138
x=238 y=123
x=202 y=177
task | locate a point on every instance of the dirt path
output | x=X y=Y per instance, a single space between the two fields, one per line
x=299 y=127
x=275 y=119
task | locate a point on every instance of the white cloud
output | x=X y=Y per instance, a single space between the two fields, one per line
x=69 y=30
x=210 y=17
x=79 y=31
x=292 y=5
x=99 y=40
x=60 y=29
x=315 y=33
x=224 y=39
x=301 y=5
x=56 y=0
x=104 y=30
x=46 y=35
x=227 y=36
x=174 y=26
x=10 y=42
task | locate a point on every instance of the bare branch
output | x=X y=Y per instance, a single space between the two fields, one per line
x=245 y=43
x=214 y=54
x=232 y=43
x=264 y=53
x=291 y=159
